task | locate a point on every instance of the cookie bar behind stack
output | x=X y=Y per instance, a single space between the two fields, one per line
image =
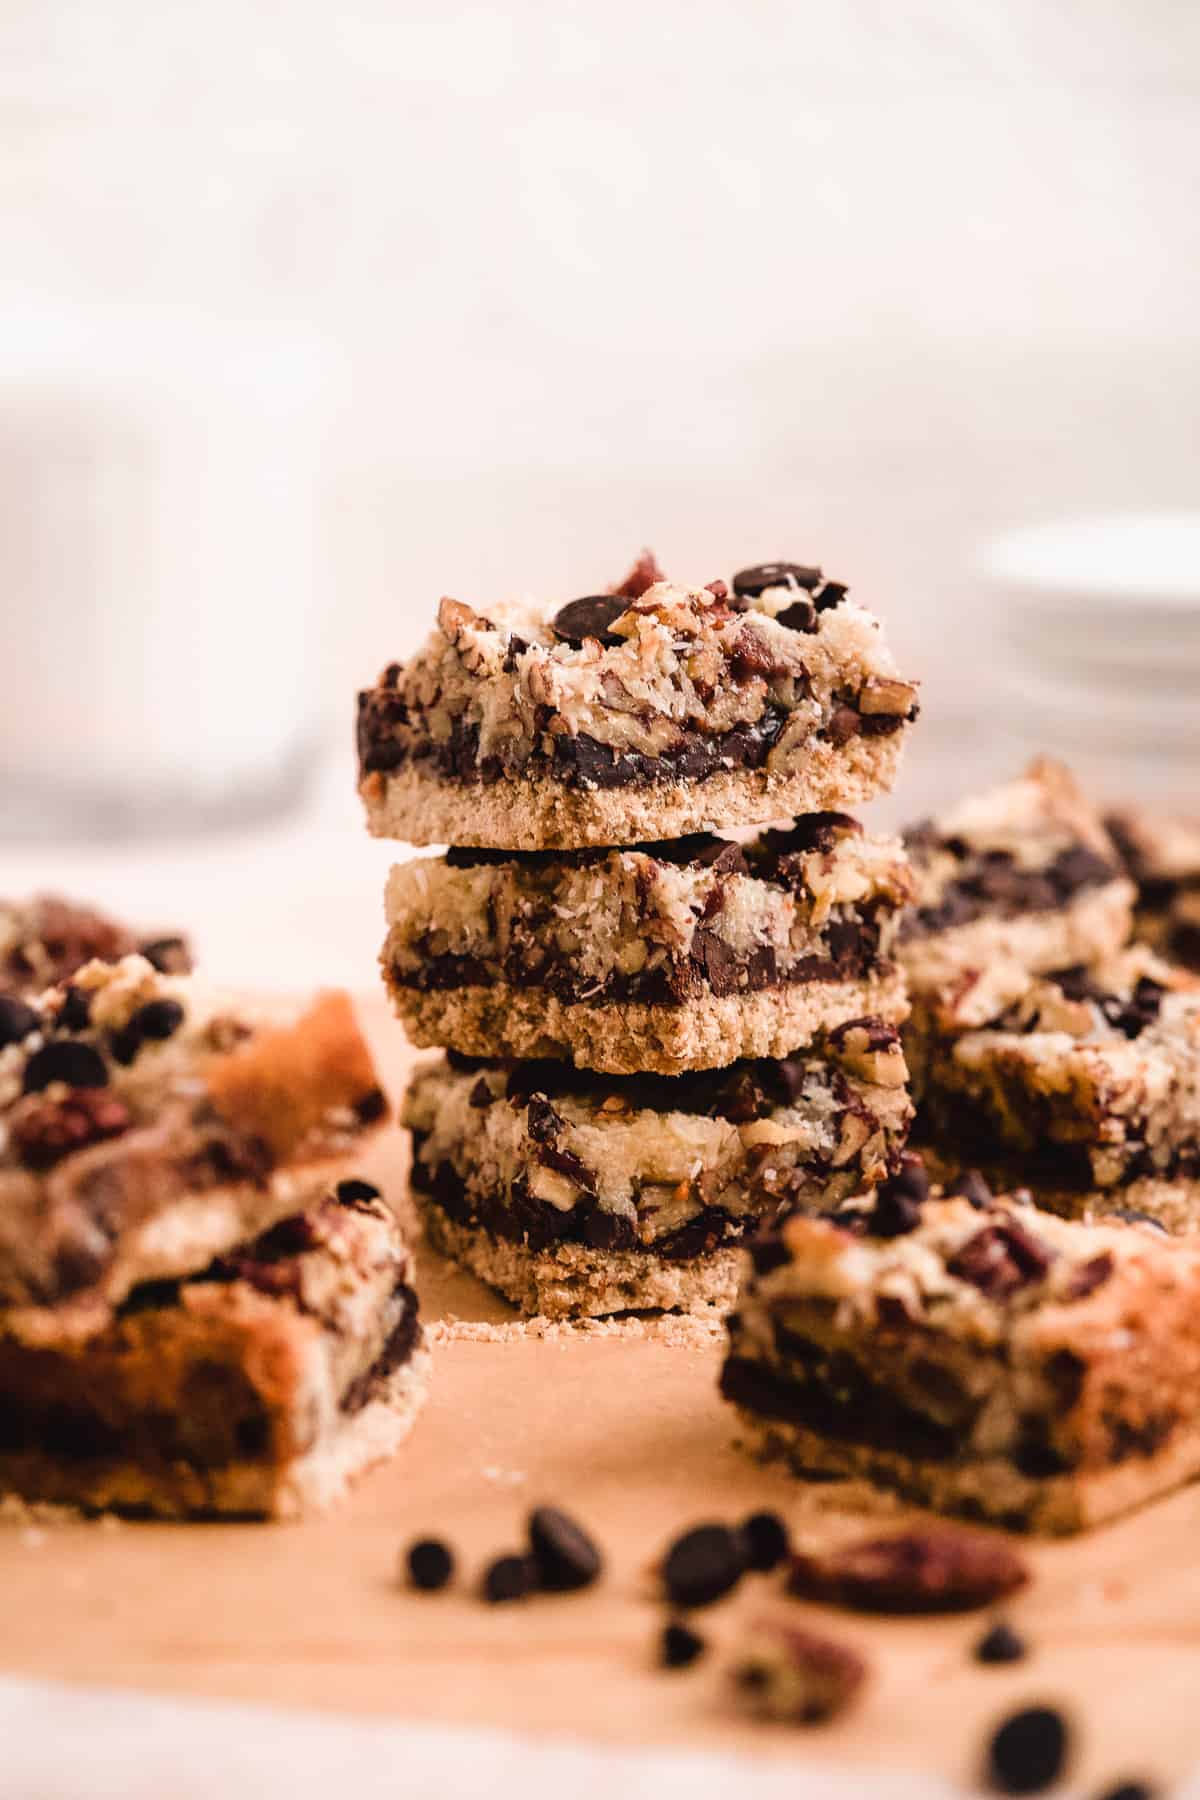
x=664 y=957
x=1162 y=856
x=201 y=1308
x=975 y=1354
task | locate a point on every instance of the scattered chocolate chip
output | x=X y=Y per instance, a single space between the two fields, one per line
x=589 y=617
x=765 y=1541
x=353 y=1191
x=899 y=1199
x=16 y=1020
x=756 y=580
x=430 y=1564
x=1000 y=1644
x=913 y=1572
x=64 y=1059
x=972 y=1187
x=680 y=1646
x=75 y=1012
x=565 y=1555
x=508 y=1578
x=801 y=615
x=1129 y=1790
x=1028 y=1751
x=702 y=1565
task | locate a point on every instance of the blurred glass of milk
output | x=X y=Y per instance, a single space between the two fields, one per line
x=1096 y=625
x=161 y=645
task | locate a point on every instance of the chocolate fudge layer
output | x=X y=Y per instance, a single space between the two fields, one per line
x=43 y=942
x=565 y=1187
x=258 y=1387
x=1163 y=857
x=981 y=1357
x=667 y=957
x=1092 y=1080
x=148 y=1122
x=1012 y=883
x=630 y=717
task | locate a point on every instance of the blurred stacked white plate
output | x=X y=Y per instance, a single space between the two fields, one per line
x=1097 y=634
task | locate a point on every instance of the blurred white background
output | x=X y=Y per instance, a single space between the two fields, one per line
x=840 y=280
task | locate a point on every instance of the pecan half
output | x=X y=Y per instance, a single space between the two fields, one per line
x=913 y=1572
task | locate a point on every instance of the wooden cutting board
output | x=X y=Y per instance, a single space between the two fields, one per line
x=624 y=1427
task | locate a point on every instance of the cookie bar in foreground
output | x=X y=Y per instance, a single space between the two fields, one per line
x=258 y=1387
x=148 y=1123
x=1089 y=1087
x=975 y=1354
x=44 y=941
x=578 y=1194
x=1163 y=857
x=1012 y=883
x=671 y=956
x=629 y=717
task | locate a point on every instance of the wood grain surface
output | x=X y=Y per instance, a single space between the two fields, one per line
x=625 y=1429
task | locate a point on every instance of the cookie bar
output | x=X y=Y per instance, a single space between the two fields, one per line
x=1010 y=884
x=975 y=1354
x=1163 y=858
x=43 y=942
x=622 y=718
x=258 y=1387
x=667 y=957
x=148 y=1122
x=1089 y=1085
x=573 y=1193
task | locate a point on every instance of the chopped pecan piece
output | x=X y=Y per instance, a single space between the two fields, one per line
x=44 y=1130
x=912 y=1572
x=882 y=695
x=1000 y=1259
x=785 y=1673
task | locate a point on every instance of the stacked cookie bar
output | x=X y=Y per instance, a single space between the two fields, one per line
x=655 y=1037
x=202 y=1310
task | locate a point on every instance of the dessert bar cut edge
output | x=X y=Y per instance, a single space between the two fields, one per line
x=991 y=1489
x=572 y=1281
x=631 y=1037
x=540 y=813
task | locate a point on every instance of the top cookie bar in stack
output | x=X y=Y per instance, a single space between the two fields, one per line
x=642 y=714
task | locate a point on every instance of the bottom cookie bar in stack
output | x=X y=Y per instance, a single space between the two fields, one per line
x=578 y=1194
x=975 y=1354
x=257 y=1387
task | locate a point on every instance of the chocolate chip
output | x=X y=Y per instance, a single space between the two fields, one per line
x=170 y=955
x=831 y=595
x=589 y=617
x=354 y=1192
x=755 y=581
x=16 y=1020
x=898 y=1201
x=643 y=575
x=721 y=855
x=971 y=1186
x=63 y=1059
x=1132 y=1216
x=544 y=1124
x=1129 y=1790
x=1000 y=1644
x=1028 y=1751
x=844 y=724
x=1089 y=1276
x=508 y=1578
x=430 y=1564
x=480 y=1096
x=765 y=1541
x=801 y=615
x=157 y=1020
x=371 y=1106
x=75 y=1012
x=767 y=1252
x=939 y=1570
x=1000 y=1259
x=680 y=1646
x=702 y=1565
x=565 y=1555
